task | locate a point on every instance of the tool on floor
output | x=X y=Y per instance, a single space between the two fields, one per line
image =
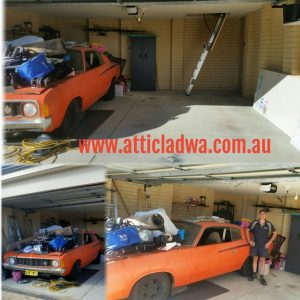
x=207 y=48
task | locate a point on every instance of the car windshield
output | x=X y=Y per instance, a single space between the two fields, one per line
x=75 y=60
x=191 y=231
x=78 y=238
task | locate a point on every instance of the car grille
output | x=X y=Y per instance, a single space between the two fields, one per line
x=33 y=262
x=12 y=109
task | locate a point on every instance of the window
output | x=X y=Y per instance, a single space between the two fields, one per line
x=87 y=238
x=191 y=231
x=235 y=234
x=93 y=60
x=215 y=235
x=75 y=60
x=78 y=239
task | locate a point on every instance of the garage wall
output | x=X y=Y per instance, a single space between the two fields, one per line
x=15 y=16
x=27 y=223
x=136 y=198
x=182 y=193
x=243 y=204
x=223 y=65
x=179 y=44
x=77 y=220
x=269 y=45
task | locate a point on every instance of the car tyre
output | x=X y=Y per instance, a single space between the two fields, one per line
x=98 y=259
x=154 y=286
x=6 y=273
x=76 y=270
x=246 y=269
x=110 y=95
x=71 y=120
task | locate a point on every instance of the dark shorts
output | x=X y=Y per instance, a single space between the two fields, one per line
x=259 y=251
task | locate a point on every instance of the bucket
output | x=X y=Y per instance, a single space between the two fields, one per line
x=17 y=275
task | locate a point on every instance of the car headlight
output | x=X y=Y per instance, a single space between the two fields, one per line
x=7 y=110
x=29 y=110
x=55 y=263
x=12 y=260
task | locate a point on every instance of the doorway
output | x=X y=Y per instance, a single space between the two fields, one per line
x=143 y=65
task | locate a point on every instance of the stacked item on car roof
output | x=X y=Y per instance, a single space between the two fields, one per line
x=52 y=239
x=31 y=61
x=143 y=231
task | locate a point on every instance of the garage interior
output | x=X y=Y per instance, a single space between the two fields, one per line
x=35 y=197
x=253 y=38
x=234 y=189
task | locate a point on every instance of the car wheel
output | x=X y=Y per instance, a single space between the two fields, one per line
x=6 y=273
x=98 y=259
x=155 y=286
x=246 y=269
x=110 y=95
x=75 y=271
x=71 y=120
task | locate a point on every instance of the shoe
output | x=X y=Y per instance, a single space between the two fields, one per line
x=262 y=281
x=252 y=277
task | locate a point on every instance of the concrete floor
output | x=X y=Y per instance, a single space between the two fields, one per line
x=92 y=289
x=205 y=114
x=281 y=285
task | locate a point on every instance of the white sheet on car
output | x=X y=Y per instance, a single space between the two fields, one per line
x=168 y=224
x=25 y=40
x=50 y=228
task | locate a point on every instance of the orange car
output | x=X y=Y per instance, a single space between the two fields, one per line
x=67 y=264
x=61 y=106
x=209 y=249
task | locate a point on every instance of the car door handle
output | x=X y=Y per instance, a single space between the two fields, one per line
x=233 y=251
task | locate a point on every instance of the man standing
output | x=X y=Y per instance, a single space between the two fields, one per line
x=262 y=230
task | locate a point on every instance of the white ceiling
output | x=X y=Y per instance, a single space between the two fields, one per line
x=228 y=178
x=252 y=188
x=151 y=11
x=79 y=210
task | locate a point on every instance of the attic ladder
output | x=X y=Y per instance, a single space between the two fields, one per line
x=207 y=47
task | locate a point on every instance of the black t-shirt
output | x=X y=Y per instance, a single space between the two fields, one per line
x=261 y=233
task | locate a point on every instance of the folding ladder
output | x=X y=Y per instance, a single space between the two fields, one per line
x=207 y=47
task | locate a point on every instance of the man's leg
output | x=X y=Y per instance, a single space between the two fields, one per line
x=254 y=264
x=254 y=267
x=262 y=261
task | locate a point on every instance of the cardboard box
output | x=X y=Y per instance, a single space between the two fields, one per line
x=119 y=90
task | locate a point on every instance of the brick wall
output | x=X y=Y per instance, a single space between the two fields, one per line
x=137 y=198
x=15 y=16
x=182 y=193
x=269 y=45
x=178 y=47
x=222 y=66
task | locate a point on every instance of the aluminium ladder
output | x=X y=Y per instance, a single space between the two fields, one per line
x=207 y=47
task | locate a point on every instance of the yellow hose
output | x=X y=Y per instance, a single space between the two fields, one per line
x=11 y=151
x=61 y=284
x=32 y=151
